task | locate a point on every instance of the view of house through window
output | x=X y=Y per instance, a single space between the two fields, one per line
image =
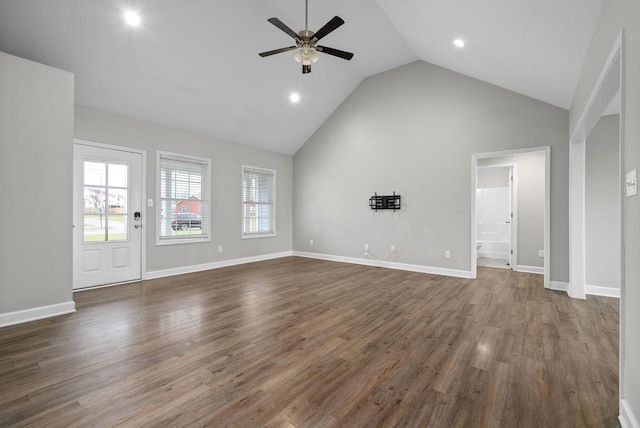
x=183 y=197
x=105 y=201
x=258 y=202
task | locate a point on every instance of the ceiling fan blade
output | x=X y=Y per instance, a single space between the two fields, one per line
x=335 y=52
x=334 y=23
x=281 y=25
x=277 y=51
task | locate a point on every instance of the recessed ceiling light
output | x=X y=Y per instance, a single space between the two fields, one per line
x=459 y=43
x=294 y=97
x=132 y=18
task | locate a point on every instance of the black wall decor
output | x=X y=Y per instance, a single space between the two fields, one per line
x=387 y=202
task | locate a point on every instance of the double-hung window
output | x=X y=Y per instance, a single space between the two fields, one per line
x=183 y=198
x=258 y=202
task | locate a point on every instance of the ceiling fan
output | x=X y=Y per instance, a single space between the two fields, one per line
x=306 y=41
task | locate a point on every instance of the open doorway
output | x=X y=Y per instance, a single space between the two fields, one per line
x=602 y=209
x=606 y=98
x=519 y=180
x=495 y=216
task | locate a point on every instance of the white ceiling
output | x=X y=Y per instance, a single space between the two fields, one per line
x=194 y=64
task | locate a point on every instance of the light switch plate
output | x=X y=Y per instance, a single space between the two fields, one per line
x=632 y=183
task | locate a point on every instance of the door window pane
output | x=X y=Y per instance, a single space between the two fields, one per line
x=105 y=201
x=118 y=175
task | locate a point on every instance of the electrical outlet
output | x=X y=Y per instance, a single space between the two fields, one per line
x=541 y=253
x=219 y=248
x=311 y=242
x=447 y=254
x=393 y=248
x=366 y=248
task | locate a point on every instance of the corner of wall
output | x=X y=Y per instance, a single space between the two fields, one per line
x=627 y=418
x=33 y=314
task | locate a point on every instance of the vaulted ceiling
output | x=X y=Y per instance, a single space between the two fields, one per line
x=194 y=64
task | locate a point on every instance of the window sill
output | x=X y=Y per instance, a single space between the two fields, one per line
x=177 y=241
x=258 y=235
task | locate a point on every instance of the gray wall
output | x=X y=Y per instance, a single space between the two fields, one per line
x=36 y=136
x=530 y=180
x=602 y=204
x=226 y=162
x=617 y=15
x=413 y=130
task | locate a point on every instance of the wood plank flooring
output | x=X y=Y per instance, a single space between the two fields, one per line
x=296 y=342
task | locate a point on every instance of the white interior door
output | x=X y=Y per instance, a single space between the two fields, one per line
x=511 y=221
x=495 y=213
x=107 y=222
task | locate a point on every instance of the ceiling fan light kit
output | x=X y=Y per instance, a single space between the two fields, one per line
x=306 y=55
x=306 y=41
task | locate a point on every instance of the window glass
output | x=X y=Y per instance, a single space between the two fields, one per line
x=105 y=201
x=258 y=202
x=183 y=195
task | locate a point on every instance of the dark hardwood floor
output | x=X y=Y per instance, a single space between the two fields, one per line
x=296 y=342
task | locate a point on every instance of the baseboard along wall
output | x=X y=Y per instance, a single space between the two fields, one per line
x=33 y=314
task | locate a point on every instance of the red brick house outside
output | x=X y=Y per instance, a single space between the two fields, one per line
x=193 y=205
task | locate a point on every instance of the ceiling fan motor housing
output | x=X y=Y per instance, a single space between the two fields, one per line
x=306 y=35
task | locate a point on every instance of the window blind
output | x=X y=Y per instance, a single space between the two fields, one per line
x=183 y=195
x=258 y=202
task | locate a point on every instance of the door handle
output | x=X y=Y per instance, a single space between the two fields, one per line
x=508 y=222
x=137 y=226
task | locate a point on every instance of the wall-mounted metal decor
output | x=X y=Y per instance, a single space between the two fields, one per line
x=387 y=202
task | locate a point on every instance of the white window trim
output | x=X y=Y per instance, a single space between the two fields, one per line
x=194 y=239
x=273 y=220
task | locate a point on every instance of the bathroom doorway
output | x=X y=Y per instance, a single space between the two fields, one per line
x=510 y=211
x=495 y=216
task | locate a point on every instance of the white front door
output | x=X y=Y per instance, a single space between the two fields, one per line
x=107 y=222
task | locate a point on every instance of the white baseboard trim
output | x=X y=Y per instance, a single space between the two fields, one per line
x=596 y=290
x=593 y=290
x=627 y=418
x=33 y=314
x=389 y=265
x=559 y=286
x=214 y=265
x=530 y=269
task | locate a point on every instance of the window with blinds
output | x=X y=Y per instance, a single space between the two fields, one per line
x=183 y=198
x=258 y=202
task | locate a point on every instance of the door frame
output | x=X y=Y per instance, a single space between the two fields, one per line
x=547 y=205
x=143 y=207
x=610 y=82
